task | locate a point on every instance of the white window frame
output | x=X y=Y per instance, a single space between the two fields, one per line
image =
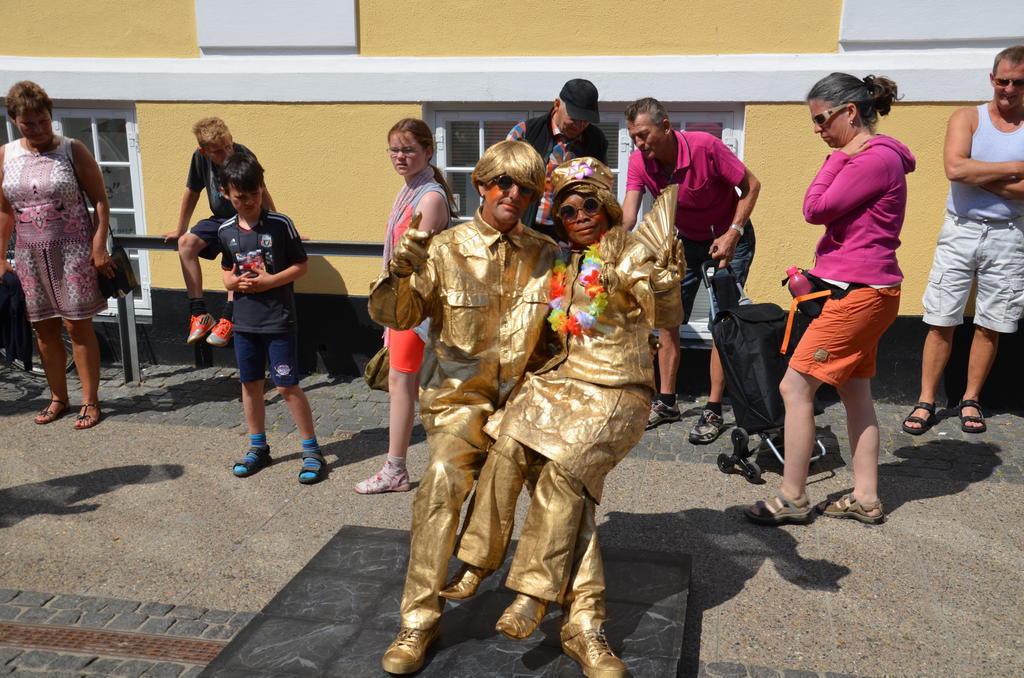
x=143 y=299
x=730 y=116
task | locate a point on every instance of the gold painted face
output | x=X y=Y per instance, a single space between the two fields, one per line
x=584 y=218
x=504 y=201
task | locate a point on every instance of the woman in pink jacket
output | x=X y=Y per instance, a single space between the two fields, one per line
x=860 y=196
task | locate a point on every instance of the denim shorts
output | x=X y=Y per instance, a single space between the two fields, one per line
x=252 y=351
x=992 y=253
x=696 y=253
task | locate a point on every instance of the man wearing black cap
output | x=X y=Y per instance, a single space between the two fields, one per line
x=563 y=134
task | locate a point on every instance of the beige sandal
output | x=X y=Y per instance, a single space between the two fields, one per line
x=848 y=507
x=779 y=511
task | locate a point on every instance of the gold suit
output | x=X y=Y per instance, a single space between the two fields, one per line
x=486 y=295
x=576 y=418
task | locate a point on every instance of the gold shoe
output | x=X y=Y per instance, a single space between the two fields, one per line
x=406 y=653
x=465 y=582
x=522 y=617
x=590 y=649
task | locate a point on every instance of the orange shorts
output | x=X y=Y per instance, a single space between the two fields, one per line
x=842 y=343
x=406 y=350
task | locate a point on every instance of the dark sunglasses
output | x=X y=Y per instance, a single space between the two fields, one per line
x=569 y=212
x=1003 y=82
x=821 y=118
x=505 y=183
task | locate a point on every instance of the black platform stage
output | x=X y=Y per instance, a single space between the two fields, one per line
x=340 y=612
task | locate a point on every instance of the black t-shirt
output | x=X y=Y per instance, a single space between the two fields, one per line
x=273 y=245
x=202 y=173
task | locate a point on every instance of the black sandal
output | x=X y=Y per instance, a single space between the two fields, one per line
x=46 y=415
x=314 y=468
x=924 y=424
x=84 y=421
x=254 y=460
x=967 y=419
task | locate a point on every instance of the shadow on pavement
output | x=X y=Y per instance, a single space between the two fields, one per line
x=960 y=463
x=727 y=551
x=60 y=496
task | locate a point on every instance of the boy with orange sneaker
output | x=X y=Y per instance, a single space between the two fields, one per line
x=215 y=147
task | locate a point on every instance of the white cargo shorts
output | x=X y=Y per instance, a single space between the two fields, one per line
x=991 y=252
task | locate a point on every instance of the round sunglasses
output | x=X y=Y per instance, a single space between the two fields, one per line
x=568 y=212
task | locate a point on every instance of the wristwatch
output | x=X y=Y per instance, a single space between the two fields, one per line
x=738 y=228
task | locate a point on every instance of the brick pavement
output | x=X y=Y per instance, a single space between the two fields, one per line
x=210 y=398
x=175 y=394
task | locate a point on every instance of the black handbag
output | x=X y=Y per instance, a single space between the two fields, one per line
x=124 y=280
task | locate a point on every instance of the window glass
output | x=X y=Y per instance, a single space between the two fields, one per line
x=611 y=133
x=119 y=186
x=466 y=196
x=113 y=133
x=497 y=130
x=79 y=128
x=122 y=224
x=463 y=138
x=713 y=128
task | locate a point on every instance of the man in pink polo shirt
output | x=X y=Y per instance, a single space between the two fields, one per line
x=716 y=196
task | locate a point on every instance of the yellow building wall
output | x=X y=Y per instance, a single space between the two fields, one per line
x=326 y=168
x=100 y=28
x=597 y=27
x=782 y=150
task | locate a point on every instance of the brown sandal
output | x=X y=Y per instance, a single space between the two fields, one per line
x=848 y=507
x=47 y=414
x=84 y=421
x=780 y=510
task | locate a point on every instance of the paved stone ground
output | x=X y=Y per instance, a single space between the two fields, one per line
x=945 y=466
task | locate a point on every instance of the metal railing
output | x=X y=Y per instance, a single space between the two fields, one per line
x=128 y=337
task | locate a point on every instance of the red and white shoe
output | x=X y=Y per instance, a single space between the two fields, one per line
x=220 y=335
x=199 y=327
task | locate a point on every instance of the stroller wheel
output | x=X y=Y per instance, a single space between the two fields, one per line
x=740 y=440
x=725 y=463
x=751 y=471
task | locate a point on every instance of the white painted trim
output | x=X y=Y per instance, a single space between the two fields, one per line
x=923 y=75
x=917 y=23
x=272 y=26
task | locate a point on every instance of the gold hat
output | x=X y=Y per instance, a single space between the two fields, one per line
x=589 y=171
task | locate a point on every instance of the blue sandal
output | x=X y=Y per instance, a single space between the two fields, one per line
x=314 y=469
x=254 y=460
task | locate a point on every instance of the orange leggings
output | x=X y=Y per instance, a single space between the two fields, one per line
x=406 y=354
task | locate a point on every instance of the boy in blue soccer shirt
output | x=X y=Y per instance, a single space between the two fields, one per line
x=262 y=257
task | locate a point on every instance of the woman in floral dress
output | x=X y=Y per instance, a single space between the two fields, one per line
x=59 y=250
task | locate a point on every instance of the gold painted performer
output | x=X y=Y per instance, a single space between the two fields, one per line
x=484 y=284
x=575 y=418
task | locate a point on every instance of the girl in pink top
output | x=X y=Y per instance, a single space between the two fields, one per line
x=410 y=147
x=860 y=196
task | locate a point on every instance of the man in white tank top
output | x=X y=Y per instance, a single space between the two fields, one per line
x=981 y=240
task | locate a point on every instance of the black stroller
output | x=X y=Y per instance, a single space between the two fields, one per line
x=749 y=338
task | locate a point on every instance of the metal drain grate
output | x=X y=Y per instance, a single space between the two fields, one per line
x=110 y=643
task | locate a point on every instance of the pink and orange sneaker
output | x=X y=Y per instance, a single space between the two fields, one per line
x=220 y=335
x=199 y=327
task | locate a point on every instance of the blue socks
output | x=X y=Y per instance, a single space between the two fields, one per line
x=258 y=439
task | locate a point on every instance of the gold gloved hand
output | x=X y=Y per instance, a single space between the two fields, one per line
x=411 y=251
x=669 y=266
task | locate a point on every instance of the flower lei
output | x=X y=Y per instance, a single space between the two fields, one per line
x=590 y=272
